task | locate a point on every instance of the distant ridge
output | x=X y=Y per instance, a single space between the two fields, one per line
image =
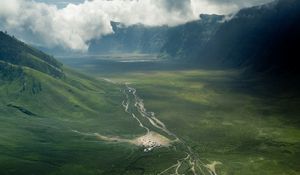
x=130 y=39
x=262 y=39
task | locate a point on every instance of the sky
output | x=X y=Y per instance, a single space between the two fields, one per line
x=71 y=24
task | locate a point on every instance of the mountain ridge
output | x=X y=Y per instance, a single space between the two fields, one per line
x=130 y=39
x=261 y=38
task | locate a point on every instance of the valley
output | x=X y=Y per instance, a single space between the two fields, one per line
x=149 y=87
x=223 y=123
x=149 y=117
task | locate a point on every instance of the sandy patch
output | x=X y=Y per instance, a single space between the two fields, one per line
x=152 y=140
x=148 y=141
x=212 y=167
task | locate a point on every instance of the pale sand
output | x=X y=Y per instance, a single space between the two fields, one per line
x=152 y=138
x=212 y=167
x=149 y=141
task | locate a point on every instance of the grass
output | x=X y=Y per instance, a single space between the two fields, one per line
x=242 y=123
x=44 y=143
x=221 y=117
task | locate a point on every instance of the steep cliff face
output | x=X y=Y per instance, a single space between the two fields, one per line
x=185 y=42
x=130 y=39
x=262 y=38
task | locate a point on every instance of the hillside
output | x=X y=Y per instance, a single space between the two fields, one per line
x=35 y=81
x=18 y=53
x=262 y=38
x=40 y=107
x=186 y=41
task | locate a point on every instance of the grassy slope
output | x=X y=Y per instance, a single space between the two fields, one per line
x=18 y=53
x=44 y=143
x=42 y=103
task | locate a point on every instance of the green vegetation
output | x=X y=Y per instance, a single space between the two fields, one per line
x=36 y=125
x=18 y=53
x=245 y=124
x=39 y=111
x=249 y=134
x=9 y=72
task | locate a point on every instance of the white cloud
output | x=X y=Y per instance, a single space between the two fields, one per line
x=74 y=26
x=222 y=6
x=207 y=7
x=71 y=27
x=9 y=7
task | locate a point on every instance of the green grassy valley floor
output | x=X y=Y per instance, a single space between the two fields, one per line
x=219 y=117
x=223 y=120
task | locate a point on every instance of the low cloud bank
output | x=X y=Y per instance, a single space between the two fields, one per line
x=73 y=26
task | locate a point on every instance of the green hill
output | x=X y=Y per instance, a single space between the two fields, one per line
x=40 y=85
x=18 y=53
x=41 y=103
